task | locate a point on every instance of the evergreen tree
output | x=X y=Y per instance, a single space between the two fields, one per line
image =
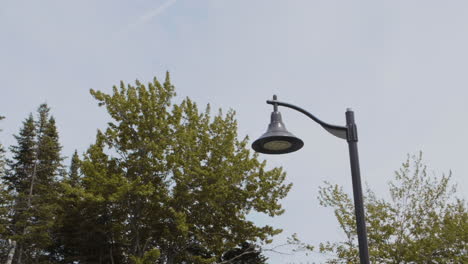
x=164 y=179
x=32 y=179
x=68 y=225
x=5 y=209
x=19 y=176
x=423 y=222
x=19 y=180
x=74 y=173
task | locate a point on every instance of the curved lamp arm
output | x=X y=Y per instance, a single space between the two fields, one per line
x=338 y=131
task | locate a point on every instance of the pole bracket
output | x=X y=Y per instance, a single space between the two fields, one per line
x=351 y=133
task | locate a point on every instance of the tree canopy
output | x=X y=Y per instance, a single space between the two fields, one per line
x=422 y=222
x=169 y=179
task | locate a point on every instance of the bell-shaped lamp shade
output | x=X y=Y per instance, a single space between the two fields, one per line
x=277 y=140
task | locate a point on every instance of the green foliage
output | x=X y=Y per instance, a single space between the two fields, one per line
x=247 y=253
x=164 y=183
x=423 y=222
x=68 y=229
x=74 y=173
x=170 y=178
x=32 y=182
x=5 y=205
x=24 y=157
x=149 y=257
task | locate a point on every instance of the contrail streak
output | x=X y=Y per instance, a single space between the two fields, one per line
x=148 y=16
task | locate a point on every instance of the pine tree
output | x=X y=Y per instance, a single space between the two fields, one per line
x=74 y=173
x=32 y=179
x=164 y=179
x=67 y=231
x=19 y=176
x=18 y=181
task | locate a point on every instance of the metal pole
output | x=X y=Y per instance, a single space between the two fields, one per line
x=357 y=188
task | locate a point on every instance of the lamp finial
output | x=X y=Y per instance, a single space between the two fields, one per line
x=275 y=106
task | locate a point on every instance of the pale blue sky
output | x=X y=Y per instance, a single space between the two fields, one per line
x=401 y=65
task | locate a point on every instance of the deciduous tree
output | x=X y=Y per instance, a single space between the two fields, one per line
x=165 y=178
x=422 y=222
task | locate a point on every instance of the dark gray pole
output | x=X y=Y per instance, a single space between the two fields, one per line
x=357 y=188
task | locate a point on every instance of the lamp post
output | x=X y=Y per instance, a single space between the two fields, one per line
x=277 y=140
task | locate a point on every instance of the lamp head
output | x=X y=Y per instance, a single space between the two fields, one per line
x=277 y=139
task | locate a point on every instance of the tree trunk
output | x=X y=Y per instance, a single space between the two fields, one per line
x=11 y=252
x=111 y=255
x=170 y=258
x=20 y=253
x=138 y=251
